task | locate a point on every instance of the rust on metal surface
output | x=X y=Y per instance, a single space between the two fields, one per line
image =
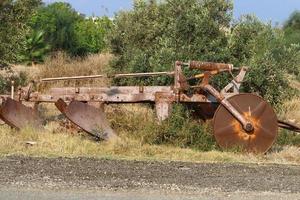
x=19 y=116
x=243 y=120
x=90 y=119
x=163 y=105
x=229 y=132
x=247 y=125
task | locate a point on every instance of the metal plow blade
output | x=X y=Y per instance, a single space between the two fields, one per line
x=19 y=116
x=87 y=117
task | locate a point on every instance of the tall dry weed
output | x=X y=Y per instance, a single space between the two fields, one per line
x=292 y=110
x=61 y=65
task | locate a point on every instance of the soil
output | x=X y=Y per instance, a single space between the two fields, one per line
x=101 y=174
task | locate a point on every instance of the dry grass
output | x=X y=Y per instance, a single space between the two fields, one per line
x=136 y=126
x=61 y=65
x=292 y=110
x=56 y=141
x=49 y=143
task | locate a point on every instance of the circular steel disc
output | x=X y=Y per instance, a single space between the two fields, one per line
x=229 y=132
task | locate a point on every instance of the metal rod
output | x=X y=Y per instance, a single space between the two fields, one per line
x=144 y=74
x=12 y=89
x=209 y=66
x=111 y=76
x=72 y=78
x=289 y=126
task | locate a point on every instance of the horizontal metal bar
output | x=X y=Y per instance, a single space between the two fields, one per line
x=72 y=78
x=144 y=74
x=110 y=76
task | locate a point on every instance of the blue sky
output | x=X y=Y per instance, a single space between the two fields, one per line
x=266 y=10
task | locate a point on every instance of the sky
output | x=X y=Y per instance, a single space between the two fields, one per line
x=276 y=11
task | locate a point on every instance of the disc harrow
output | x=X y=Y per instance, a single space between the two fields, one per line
x=240 y=120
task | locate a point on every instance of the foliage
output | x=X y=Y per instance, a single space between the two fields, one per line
x=183 y=131
x=57 y=21
x=262 y=47
x=292 y=28
x=155 y=34
x=289 y=138
x=66 y=29
x=14 y=16
x=90 y=35
x=5 y=81
x=292 y=36
x=180 y=130
x=35 y=48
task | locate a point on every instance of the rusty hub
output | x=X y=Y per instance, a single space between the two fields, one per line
x=19 y=116
x=229 y=133
x=89 y=118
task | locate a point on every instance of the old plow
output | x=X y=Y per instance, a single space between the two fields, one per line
x=238 y=119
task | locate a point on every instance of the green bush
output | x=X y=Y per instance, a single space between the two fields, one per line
x=179 y=130
x=35 y=48
x=154 y=35
x=292 y=28
x=286 y=137
x=90 y=35
x=14 y=18
x=66 y=29
x=19 y=80
x=263 y=48
x=182 y=131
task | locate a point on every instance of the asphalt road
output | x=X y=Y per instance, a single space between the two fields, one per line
x=32 y=194
x=84 y=178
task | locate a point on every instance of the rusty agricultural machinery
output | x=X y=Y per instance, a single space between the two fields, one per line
x=244 y=120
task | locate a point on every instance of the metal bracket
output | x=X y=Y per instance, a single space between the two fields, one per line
x=236 y=83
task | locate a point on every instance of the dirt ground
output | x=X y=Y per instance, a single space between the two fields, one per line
x=178 y=177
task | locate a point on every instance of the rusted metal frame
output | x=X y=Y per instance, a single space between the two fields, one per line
x=118 y=98
x=247 y=125
x=236 y=83
x=125 y=94
x=110 y=90
x=180 y=82
x=24 y=93
x=289 y=126
x=163 y=105
x=209 y=66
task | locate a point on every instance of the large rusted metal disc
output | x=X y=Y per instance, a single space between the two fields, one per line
x=19 y=116
x=229 y=133
x=89 y=118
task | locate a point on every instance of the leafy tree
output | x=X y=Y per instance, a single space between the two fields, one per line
x=66 y=29
x=57 y=21
x=91 y=34
x=14 y=17
x=262 y=47
x=155 y=34
x=292 y=28
x=35 y=48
